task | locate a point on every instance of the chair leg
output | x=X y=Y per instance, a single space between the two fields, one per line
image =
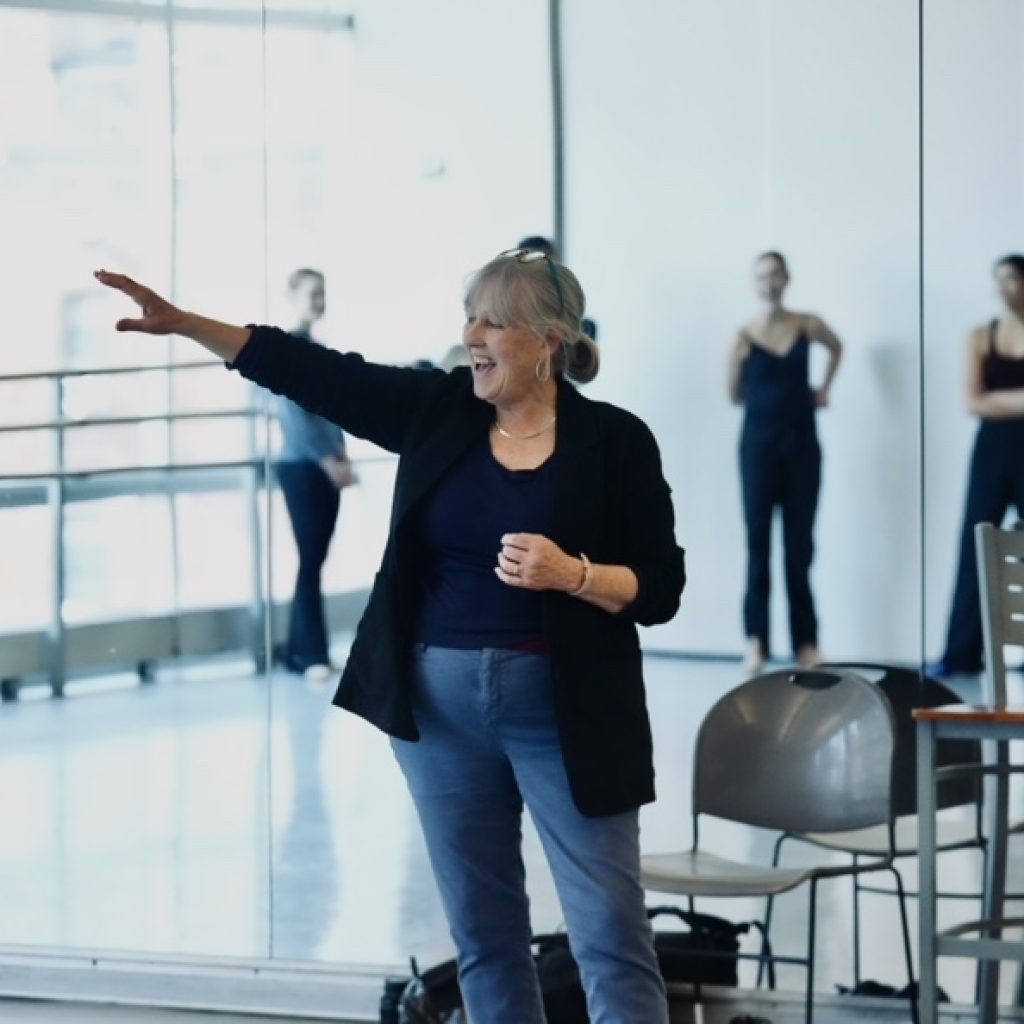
x=856 y=923
x=811 y=922
x=985 y=854
x=769 y=905
x=907 y=951
x=764 y=965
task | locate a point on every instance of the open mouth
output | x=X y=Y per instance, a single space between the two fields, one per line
x=482 y=364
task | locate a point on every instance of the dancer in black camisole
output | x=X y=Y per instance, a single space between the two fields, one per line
x=995 y=394
x=780 y=458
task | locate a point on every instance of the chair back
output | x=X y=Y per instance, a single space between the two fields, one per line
x=1000 y=556
x=798 y=751
x=907 y=689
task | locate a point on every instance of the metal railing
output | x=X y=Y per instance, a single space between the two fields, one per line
x=60 y=485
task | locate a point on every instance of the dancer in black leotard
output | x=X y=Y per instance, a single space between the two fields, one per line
x=995 y=394
x=780 y=459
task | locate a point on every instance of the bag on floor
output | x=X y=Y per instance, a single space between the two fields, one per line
x=433 y=997
x=706 y=954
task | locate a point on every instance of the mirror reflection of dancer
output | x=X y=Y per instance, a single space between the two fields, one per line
x=995 y=394
x=502 y=661
x=780 y=458
x=312 y=469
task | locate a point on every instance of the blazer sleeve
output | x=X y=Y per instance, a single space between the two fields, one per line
x=369 y=400
x=648 y=527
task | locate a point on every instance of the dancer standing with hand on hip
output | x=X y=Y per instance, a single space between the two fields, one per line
x=780 y=458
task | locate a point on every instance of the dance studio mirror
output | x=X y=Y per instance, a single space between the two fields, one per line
x=689 y=166
x=973 y=279
x=222 y=807
x=973 y=346
x=699 y=137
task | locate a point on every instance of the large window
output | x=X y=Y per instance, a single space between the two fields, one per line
x=142 y=143
x=209 y=148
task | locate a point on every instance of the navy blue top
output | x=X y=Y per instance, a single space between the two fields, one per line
x=306 y=437
x=776 y=389
x=1001 y=372
x=463 y=604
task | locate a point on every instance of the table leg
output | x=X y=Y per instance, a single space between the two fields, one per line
x=926 y=800
x=997 y=801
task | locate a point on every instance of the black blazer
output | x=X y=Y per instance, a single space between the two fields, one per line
x=610 y=501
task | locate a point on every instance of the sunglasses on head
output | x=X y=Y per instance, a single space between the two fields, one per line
x=532 y=256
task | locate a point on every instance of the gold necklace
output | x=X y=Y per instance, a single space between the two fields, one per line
x=524 y=437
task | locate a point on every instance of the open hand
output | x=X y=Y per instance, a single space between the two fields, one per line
x=532 y=561
x=158 y=315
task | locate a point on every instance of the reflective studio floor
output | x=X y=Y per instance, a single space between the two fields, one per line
x=215 y=812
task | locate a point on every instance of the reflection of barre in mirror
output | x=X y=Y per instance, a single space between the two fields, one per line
x=502 y=660
x=780 y=458
x=312 y=469
x=994 y=388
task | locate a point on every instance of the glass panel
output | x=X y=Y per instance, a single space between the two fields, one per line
x=25 y=599
x=114 y=446
x=214 y=154
x=383 y=174
x=973 y=210
x=729 y=130
x=105 y=543
x=225 y=439
x=26 y=452
x=209 y=388
x=141 y=819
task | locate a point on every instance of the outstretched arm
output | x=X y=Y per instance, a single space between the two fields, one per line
x=376 y=402
x=158 y=316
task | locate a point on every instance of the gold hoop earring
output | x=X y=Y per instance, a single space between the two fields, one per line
x=545 y=375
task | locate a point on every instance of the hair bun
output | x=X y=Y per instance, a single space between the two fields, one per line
x=582 y=359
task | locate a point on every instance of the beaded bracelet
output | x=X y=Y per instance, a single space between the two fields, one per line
x=586 y=577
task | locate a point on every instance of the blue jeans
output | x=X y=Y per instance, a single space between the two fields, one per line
x=489 y=742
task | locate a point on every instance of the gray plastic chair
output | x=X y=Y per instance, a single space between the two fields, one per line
x=798 y=751
x=906 y=689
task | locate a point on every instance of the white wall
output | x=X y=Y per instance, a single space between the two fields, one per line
x=973 y=214
x=451 y=162
x=700 y=133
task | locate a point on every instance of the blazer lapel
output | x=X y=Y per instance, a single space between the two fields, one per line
x=579 y=476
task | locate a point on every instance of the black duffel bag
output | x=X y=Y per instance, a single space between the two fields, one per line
x=703 y=955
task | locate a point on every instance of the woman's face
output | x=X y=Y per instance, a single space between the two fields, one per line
x=770 y=279
x=1010 y=285
x=308 y=298
x=503 y=358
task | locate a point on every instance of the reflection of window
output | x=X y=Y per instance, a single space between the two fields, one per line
x=174 y=142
